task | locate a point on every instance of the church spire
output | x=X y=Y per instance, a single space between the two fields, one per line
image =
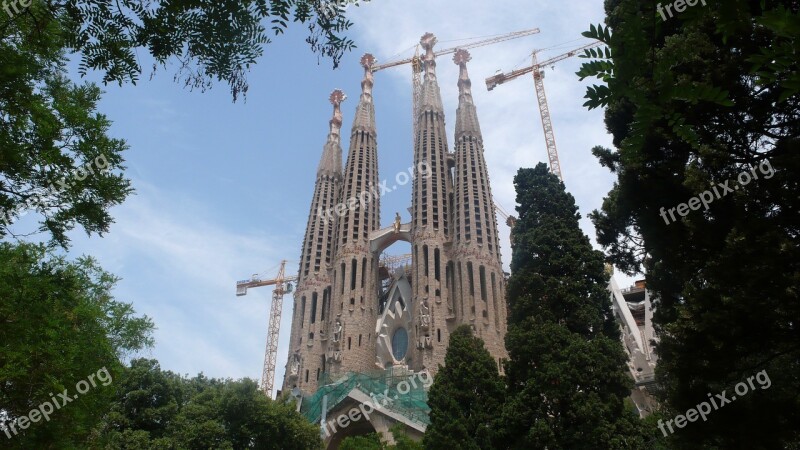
x=466 y=115
x=312 y=300
x=331 y=162
x=352 y=316
x=476 y=248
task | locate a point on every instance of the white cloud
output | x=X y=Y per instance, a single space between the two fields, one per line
x=180 y=268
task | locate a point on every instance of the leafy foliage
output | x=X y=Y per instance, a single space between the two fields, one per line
x=466 y=395
x=209 y=39
x=374 y=441
x=371 y=441
x=156 y=409
x=566 y=373
x=60 y=324
x=50 y=132
x=56 y=158
x=693 y=102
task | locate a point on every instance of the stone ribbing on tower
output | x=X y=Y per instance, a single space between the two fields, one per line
x=475 y=249
x=312 y=296
x=430 y=229
x=351 y=347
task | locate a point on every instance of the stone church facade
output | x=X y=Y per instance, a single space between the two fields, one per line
x=354 y=314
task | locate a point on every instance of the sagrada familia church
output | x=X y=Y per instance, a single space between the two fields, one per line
x=361 y=329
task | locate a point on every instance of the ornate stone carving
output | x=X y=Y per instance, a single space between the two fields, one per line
x=424 y=314
x=338 y=330
x=333 y=356
x=294 y=366
x=425 y=342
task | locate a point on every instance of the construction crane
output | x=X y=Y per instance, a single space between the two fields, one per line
x=282 y=285
x=510 y=220
x=417 y=66
x=538 y=77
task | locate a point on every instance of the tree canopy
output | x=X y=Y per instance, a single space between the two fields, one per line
x=705 y=106
x=209 y=40
x=156 y=409
x=59 y=324
x=57 y=158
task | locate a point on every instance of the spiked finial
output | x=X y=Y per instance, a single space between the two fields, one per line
x=337 y=97
x=367 y=61
x=462 y=57
x=428 y=41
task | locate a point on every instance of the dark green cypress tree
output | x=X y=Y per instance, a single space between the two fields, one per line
x=566 y=370
x=466 y=396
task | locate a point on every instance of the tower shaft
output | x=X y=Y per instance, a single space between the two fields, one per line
x=430 y=231
x=312 y=297
x=476 y=246
x=358 y=213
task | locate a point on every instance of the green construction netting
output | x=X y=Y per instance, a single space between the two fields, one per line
x=382 y=385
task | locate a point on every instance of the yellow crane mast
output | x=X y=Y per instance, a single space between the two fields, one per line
x=544 y=111
x=282 y=285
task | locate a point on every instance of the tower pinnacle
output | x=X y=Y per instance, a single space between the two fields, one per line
x=336 y=99
x=431 y=97
x=461 y=58
x=331 y=162
x=428 y=41
x=365 y=112
x=367 y=61
x=466 y=115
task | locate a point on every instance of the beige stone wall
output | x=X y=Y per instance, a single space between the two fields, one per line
x=456 y=273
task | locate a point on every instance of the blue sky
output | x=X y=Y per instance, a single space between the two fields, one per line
x=223 y=189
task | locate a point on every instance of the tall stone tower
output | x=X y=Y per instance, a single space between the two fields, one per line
x=313 y=294
x=355 y=305
x=353 y=314
x=476 y=250
x=431 y=200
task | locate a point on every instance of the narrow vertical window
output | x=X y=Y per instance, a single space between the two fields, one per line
x=302 y=311
x=342 y=283
x=482 y=275
x=363 y=271
x=353 y=267
x=471 y=280
x=425 y=258
x=314 y=307
x=494 y=304
x=436 y=265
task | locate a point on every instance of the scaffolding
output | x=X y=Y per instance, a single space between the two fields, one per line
x=382 y=386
